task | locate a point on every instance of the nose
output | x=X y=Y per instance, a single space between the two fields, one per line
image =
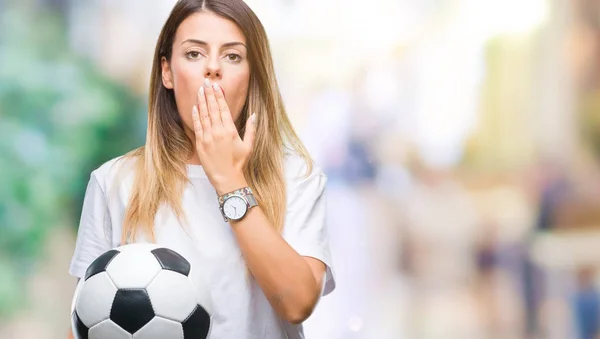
x=213 y=69
x=212 y=73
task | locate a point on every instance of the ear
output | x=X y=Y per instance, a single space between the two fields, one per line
x=167 y=75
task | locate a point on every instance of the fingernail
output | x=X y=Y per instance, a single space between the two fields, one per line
x=201 y=91
x=216 y=86
x=206 y=82
x=253 y=118
x=195 y=111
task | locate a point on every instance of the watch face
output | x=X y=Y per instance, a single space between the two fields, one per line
x=234 y=207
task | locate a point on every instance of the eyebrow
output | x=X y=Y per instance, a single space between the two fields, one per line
x=204 y=43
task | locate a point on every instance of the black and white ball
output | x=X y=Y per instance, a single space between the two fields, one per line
x=141 y=291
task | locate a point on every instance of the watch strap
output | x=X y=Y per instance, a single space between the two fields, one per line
x=242 y=191
x=251 y=200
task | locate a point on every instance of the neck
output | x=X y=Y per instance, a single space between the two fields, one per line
x=193 y=159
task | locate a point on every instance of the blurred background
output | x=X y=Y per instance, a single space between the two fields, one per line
x=461 y=139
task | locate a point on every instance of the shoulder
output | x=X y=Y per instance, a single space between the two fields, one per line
x=116 y=169
x=296 y=165
x=299 y=169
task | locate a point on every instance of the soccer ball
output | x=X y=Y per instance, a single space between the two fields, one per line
x=141 y=291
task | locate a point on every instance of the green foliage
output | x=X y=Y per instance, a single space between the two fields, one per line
x=59 y=119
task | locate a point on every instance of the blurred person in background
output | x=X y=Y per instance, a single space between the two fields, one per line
x=217 y=126
x=586 y=305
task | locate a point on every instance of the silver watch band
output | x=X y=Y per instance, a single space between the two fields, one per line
x=241 y=192
x=251 y=200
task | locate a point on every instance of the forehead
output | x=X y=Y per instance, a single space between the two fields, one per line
x=209 y=27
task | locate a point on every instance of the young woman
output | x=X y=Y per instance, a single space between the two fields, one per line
x=217 y=125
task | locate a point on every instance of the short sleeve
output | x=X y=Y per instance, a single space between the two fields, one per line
x=94 y=234
x=305 y=227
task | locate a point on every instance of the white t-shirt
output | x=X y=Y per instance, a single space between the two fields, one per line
x=240 y=309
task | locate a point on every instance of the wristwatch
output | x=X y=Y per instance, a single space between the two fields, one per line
x=234 y=205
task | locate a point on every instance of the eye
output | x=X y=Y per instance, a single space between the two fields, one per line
x=193 y=55
x=233 y=57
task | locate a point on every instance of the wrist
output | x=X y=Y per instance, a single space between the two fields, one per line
x=227 y=185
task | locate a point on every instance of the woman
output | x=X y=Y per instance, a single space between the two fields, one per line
x=216 y=125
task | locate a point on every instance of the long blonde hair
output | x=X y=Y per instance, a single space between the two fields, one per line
x=160 y=165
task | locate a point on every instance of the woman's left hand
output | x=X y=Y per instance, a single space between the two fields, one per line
x=223 y=154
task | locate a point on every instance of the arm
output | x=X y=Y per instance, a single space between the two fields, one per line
x=93 y=235
x=291 y=283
